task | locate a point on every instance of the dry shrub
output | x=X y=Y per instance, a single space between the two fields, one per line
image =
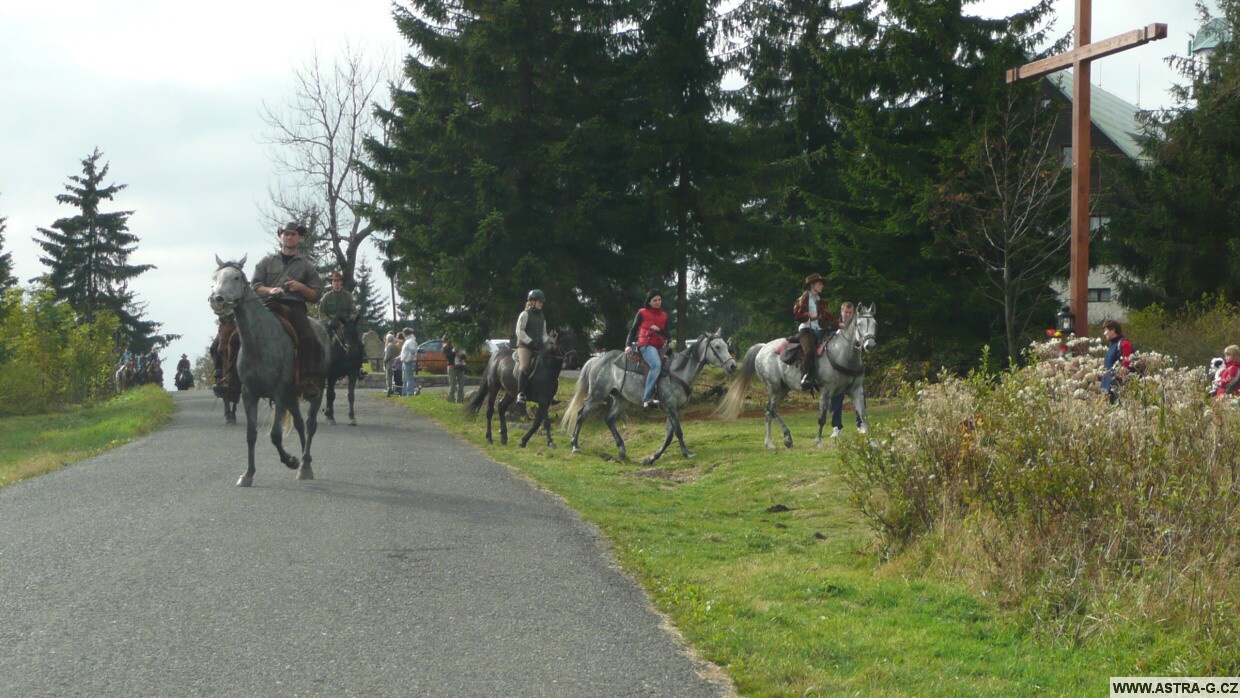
x=1085 y=512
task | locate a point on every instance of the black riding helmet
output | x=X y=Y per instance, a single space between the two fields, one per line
x=536 y=295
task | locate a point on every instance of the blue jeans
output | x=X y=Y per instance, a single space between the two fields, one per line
x=651 y=355
x=837 y=413
x=408 y=375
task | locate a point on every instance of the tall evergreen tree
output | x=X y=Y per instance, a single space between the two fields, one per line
x=87 y=255
x=1177 y=221
x=7 y=280
x=370 y=298
x=506 y=166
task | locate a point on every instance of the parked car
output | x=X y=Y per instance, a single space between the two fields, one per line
x=494 y=345
x=431 y=358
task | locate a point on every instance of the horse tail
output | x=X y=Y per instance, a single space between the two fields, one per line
x=731 y=405
x=479 y=396
x=569 y=422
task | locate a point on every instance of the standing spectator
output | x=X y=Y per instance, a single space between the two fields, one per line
x=409 y=364
x=847 y=310
x=391 y=352
x=456 y=374
x=1228 y=380
x=1119 y=353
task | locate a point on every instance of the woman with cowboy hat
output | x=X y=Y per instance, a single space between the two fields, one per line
x=814 y=319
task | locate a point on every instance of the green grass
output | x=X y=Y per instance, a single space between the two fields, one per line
x=37 y=444
x=794 y=603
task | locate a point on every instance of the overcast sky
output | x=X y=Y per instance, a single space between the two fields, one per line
x=172 y=95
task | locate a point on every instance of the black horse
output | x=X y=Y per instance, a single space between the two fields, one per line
x=347 y=357
x=541 y=388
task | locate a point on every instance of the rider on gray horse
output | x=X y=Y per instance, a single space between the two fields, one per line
x=532 y=337
x=648 y=336
x=285 y=281
x=814 y=319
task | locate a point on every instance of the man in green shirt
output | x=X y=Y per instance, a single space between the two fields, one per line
x=337 y=305
x=286 y=281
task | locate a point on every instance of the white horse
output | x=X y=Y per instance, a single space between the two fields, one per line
x=839 y=372
x=606 y=378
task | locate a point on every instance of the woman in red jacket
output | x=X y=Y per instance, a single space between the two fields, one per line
x=648 y=335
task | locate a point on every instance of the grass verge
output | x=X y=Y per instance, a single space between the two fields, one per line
x=767 y=570
x=37 y=444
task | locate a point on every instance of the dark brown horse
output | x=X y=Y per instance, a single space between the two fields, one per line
x=224 y=349
x=541 y=388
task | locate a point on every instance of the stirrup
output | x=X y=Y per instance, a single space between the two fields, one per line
x=520 y=397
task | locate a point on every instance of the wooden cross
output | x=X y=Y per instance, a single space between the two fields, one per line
x=1079 y=58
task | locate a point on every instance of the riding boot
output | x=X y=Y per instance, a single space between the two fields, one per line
x=522 y=379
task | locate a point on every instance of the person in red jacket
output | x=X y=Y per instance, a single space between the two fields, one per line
x=648 y=336
x=1118 y=359
x=815 y=319
x=1228 y=380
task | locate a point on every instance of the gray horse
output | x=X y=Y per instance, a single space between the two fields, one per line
x=604 y=378
x=839 y=372
x=266 y=364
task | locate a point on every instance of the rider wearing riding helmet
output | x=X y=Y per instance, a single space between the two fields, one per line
x=337 y=305
x=648 y=336
x=532 y=337
x=814 y=319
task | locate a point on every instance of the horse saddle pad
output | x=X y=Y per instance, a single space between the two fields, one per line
x=790 y=351
x=634 y=363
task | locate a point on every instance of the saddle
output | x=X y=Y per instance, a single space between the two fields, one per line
x=790 y=351
x=634 y=363
x=282 y=311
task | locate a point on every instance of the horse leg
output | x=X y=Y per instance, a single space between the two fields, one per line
x=539 y=415
x=671 y=433
x=504 y=404
x=581 y=416
x=330 y=413
x=251 y=436
x=352 y=388
x=277 y=436
x=490 y=411
x=680 y=436
x=770 y=413
x=858 y=398
x=547 y=427
x=312 y=425
x=824 y=404
x=610 y=419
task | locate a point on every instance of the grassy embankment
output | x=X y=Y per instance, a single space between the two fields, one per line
x=37 y=444
x=789 y=602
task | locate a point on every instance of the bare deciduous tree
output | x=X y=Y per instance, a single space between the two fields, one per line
x=1007 y=209
x=316 y=143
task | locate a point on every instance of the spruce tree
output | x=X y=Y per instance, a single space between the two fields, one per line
x=87 y=255
x=506 y=165
x=1177 y=224
x=369 y=297
x=7 y=280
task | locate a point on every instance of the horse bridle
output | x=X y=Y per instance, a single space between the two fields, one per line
x=230 y=306
x=859 y=342
x=709 y=345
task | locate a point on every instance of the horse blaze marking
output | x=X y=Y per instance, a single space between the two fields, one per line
x=1079 y=58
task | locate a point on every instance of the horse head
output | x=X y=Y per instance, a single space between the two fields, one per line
x=563 y=345
x=865 y=328
x=715 y=350
x=228 y=286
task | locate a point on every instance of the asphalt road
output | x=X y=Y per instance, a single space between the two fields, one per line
x=412 y=565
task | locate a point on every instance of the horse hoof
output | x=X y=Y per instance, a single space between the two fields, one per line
x=623 y=455
x=293 y=463
x=865 y=429
x=647 y=460
x=352 y=422
x=788 y=442
x=551 y=444
x=245 y=481
x=490 y=442
x=688 y=454
x=330 y=420
x=771 y=446
x=576 y=450
x=818 y=443
x=305 y=473
x=522 y=444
